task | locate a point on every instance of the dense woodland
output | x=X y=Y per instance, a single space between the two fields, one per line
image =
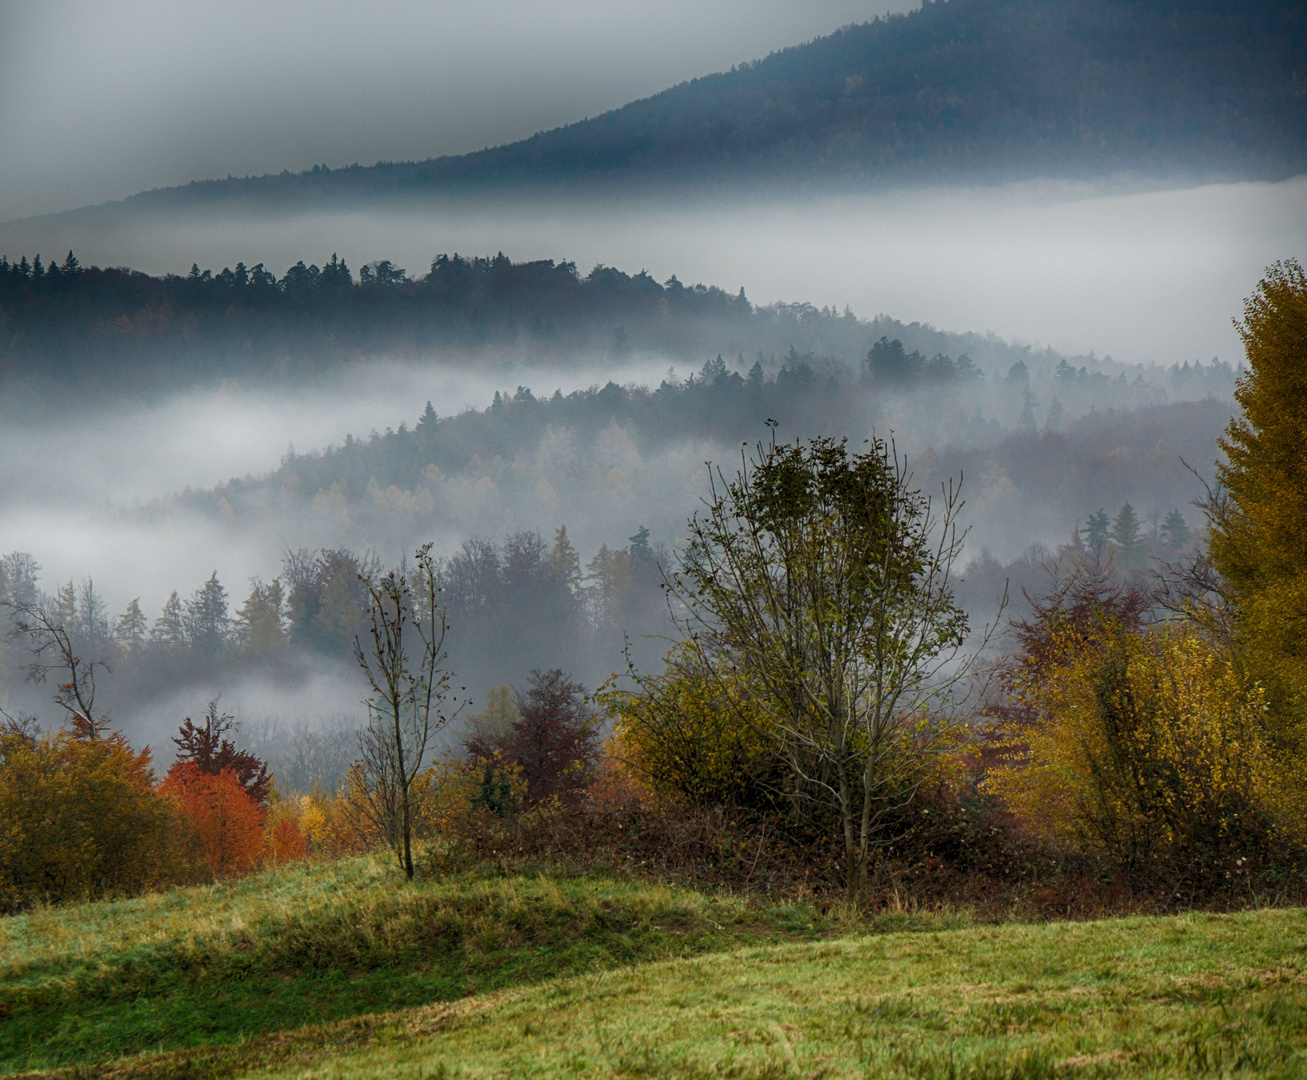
x=120 y=328
x=960 y=90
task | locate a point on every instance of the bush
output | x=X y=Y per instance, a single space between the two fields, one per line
x=681 y=735
x=1146 y=749
x=80 y=818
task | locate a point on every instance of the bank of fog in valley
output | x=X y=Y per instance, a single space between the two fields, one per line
x=554 y=514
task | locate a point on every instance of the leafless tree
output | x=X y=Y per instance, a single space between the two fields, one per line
x=53 y=650
x=403 y=661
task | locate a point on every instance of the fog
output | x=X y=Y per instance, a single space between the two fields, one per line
x=100 y=505
x=1151 y=276
x=114 y=504
x=100 y=101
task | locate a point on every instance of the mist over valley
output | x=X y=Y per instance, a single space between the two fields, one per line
x=237 y=388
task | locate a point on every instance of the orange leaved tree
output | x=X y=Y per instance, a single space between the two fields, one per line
x=224 y=825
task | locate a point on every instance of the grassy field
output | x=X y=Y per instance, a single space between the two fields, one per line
x=289 y=974
x=313 y=943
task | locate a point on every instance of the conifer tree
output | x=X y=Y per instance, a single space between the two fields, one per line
x=169 y=631
x=1175 y=531
x=1097 y=529
x=1259 y=543
x=131 y=624
x=1125 y=533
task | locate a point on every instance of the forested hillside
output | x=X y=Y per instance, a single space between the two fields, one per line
x=961 y=90
x=123 y=329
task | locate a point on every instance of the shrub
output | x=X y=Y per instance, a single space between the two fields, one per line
x=1147 y=749
x=681 y=735
x=79 y=818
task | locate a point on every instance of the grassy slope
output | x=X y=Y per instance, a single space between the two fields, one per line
x=312 y=944
x=1194 y=995
x=311 y=956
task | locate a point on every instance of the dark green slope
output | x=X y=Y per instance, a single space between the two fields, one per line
x=960 y=90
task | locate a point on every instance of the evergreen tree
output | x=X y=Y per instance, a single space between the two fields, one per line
x=169 y=630
x=1175 y=530
x=1259 y=543
x=426 y=425
x=1097 y=529
x=131 y=626
x=1026 y=425
x=1125 y=534
x=208 y=618
x=1056 y=415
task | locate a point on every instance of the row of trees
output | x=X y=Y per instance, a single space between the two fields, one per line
x=513 y=602
x=93 y=322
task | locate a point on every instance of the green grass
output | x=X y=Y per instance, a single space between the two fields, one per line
x=310 y=944
x=1201 y=995
x=291 y=973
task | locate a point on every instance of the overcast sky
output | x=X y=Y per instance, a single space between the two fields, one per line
x=101 y=100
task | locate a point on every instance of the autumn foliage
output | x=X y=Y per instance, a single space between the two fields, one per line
x=78 y=818
x=223 y=826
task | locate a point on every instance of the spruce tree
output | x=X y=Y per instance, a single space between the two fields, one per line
x=1125 y=534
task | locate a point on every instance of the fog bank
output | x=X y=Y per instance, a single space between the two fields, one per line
x=1146 y=276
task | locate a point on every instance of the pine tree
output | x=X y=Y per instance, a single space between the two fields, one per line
x=208 y=620
x=1097 y=529
x=169 y=630
x=1125 y=533
x=426 y=425
x=1026 y=424
x=1258 y=543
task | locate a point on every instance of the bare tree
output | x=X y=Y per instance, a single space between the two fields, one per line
x=403 y=660
x=53 y=650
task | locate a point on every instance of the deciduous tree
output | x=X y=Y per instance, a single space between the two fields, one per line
x=817 y=584
x=403 y=662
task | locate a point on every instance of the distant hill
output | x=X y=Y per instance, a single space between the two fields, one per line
x=959 y=91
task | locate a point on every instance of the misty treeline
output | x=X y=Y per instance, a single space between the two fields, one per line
x=970 y=90
x=615 y=454
x=515 y=605
x=126 y=329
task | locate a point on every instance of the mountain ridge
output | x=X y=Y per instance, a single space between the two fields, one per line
x=956 y=91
